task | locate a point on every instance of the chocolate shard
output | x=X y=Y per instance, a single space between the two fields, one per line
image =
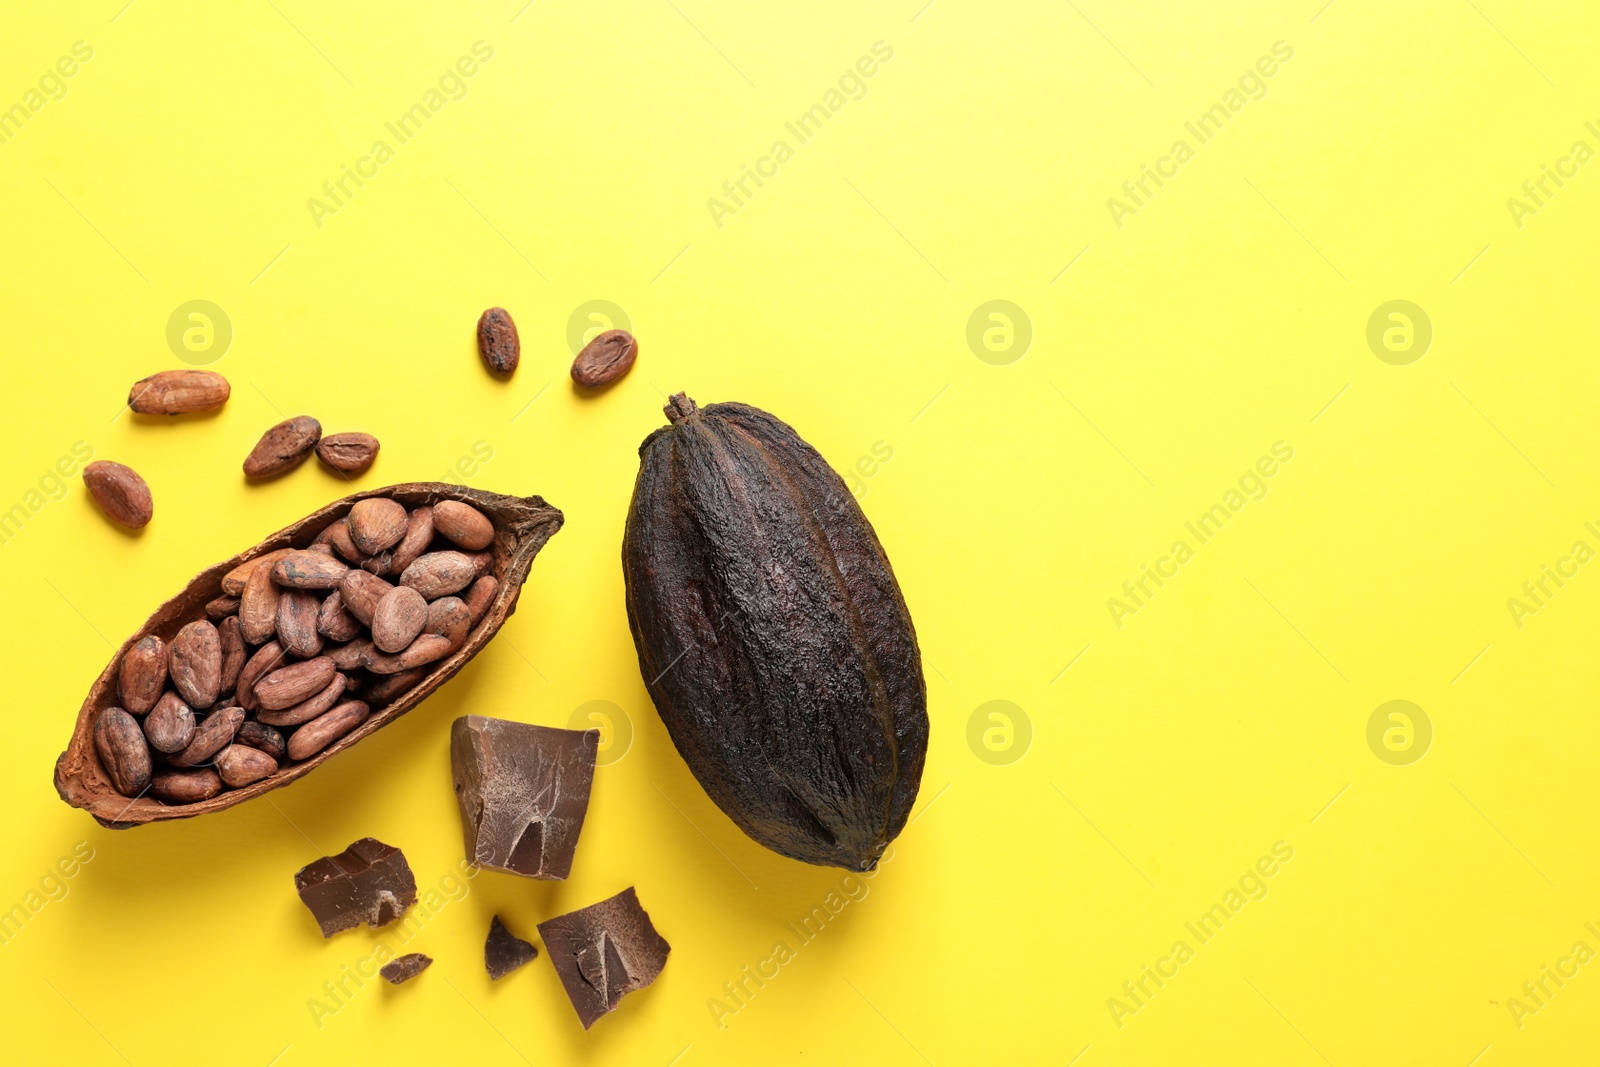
x=504 y=952
x=603 y=952
x=404 y=968
x=369 y=882
x=523 y=791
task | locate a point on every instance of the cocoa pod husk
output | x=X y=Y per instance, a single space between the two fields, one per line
x=143 y=675
x=178 y=392
x=604 y=359
x=377 y=524
x=123 y=751
x=349 y=452
x=283 y=448
x=119 y=492
x=746 y=559
x=213 y=734
x=194 y=663
x=498 y=342
x=462 y=524
x=523 y=526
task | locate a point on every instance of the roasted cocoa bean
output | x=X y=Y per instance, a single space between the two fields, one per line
x=309 y=708
x=186 y=787
x=123 y=752
x=308 y=570
x=348 y=453
x=170 y=725
x=119 y=492
x=143 y=675
x=239 y=765
x=214 y=733
x=450 y=618
x=605 y=359
x=400 y=617
x=463 y=524
x=347 y=657
x=283 y=448
x=376 y=524
x=298 y=612
x=339 y=538
x=268 y=658
x=747 y=559
x=334 y=622
x=361 y=593
x=382 y=689
x=234 y=581
x=195 y=663
x=480 y=595
x=222 y=607
x=419 y=534
x=439 y=574
x=288 y=686
x=176 y=392
x=498 y=343
x=258 y=604
x=261 y=736
x=319 y=733
x=231 y=634
x=424 y=649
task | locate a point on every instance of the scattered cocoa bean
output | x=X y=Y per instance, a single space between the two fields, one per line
x=498 y=343
x=605 y=359
x=176 y=392
x=283 y=448
x=348 y=453
x=119 y=492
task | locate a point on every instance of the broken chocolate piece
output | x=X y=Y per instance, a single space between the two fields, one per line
x=404 y=968
x=504 y=952
x=369 y=882
x=523 y=791
x=603 y=952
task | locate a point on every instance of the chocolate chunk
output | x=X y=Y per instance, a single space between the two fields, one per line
x=523 y=791
x=603 y=952
x=504 y=952
x=369 y=882
x=404 y=968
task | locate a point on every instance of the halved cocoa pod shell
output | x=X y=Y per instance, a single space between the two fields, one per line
x=522 y=525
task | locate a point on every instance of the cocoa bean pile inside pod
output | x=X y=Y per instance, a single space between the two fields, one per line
x=772 y=635
x=271 y=662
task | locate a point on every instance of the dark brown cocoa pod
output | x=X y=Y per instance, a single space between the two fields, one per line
x=605 y=359
x=348 y=453
x=283 y=448
x=772 y=635
x=498 y=343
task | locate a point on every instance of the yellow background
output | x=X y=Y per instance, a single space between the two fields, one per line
x=1227 y=314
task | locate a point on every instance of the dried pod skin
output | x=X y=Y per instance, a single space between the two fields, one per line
x=177 y=392
x=119 y=492
x=522 y=526
x=195 y=663
x=747 y=559
x=605 y=359
x=348 y=453
x=123 y=751
x=283 y=448
x=377 y=524
x=170 y=726
x=400 y=617
x=143 y=675
x=498 y=343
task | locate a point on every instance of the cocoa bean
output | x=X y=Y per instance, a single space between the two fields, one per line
x=234 y=581
x=289 y=685
x=239 y=765
x=323 y=548
x=347 y=657
x=267 y=659
x=309 y=708
x=195 y=663
x=119 y=492
x=419 y=534
x=176 y=392
x=263 y=737
x=382 y=689
x=439 y=574
x=399 y=619
x=334 y=622
x=361 y=593
x=258 y=604
x=298 y=611
x=348 y=453
x=321 y=732
x=186 y=787
x=424 y=649
x=143 y=675
x=450 y=618
x=605 y=359
x=498 y=343
x=283 y=448
x=308 y=570
x=123 y=752
x=339 y=538
x=222 y=607
x=463 y=524
x=170 y=725
x=214 y=733
x=480 y=595
x=231 y=634
x=377 y=523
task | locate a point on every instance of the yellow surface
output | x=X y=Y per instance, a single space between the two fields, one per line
x=1169 y=749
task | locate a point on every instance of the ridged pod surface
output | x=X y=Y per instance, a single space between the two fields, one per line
x=772 y=635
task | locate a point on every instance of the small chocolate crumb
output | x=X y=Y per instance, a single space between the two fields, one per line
x=404 y=968
x=504 y=952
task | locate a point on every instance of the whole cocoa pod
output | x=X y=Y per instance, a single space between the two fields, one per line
x=772 y=635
